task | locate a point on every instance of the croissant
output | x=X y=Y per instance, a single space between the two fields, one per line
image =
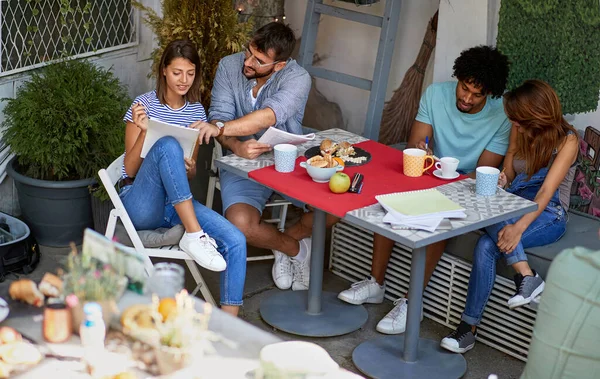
x=26 y=290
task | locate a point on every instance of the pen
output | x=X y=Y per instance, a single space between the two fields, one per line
x=426 y=143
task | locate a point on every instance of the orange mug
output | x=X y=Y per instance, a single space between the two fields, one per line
x=414 y=161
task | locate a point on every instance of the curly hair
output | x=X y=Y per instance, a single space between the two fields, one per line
x=485 y=67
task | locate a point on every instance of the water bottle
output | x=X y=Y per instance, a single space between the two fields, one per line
x=92 y=331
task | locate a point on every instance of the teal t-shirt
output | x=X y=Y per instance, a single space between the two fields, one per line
x=461 y=135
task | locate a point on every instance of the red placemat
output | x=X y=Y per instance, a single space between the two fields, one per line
x=383 y=174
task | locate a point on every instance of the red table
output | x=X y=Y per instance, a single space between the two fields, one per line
x=321 y=314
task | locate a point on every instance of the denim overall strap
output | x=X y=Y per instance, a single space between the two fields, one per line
x=528 y=189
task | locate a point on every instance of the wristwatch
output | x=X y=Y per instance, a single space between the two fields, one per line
x=221 y=127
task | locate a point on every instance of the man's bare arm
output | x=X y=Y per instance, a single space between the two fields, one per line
x=418 y=132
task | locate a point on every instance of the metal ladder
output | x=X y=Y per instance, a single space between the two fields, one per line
x=378 y=85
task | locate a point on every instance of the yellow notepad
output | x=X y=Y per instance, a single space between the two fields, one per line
x=419 y=203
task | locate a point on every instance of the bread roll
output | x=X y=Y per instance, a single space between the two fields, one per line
x=51 y=285
x=25 y=290
x=328 y=146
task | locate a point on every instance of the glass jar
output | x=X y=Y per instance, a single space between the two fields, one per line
x=56 y=326
x=166 y=281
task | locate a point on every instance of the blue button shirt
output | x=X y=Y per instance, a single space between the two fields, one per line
x=285 y=92
x=461 y=135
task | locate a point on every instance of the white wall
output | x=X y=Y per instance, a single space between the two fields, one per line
x=457 y=33
x=351 y=48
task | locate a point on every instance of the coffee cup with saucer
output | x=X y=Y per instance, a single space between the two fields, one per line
x=446 y=168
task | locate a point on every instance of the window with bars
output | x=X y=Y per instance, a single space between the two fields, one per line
x=37 y=31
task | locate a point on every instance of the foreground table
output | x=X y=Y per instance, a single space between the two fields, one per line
x=408 y=356
x=311 y=313
x=235 y=360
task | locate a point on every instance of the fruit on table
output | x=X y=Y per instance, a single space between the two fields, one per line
x=339 y=182
x=166 y=307
x=8 y=335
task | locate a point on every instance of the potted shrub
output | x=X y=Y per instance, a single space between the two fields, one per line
x=64 y=124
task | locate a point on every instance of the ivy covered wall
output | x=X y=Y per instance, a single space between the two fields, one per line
x=557 y=41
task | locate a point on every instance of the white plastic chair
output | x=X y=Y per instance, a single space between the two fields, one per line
x=213 y=183
x=110 y=176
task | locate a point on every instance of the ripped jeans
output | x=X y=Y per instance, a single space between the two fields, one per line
x=161 y=183
x=547 y=228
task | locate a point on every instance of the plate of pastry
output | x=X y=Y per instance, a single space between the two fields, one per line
x=345 y=151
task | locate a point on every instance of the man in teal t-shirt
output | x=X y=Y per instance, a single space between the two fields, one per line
x=464 y=120
x=478 y=134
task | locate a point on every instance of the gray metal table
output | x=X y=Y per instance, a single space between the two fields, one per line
x=408 y=356
x=314 y=313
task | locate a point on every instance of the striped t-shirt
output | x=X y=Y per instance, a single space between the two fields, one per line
x=184 y=116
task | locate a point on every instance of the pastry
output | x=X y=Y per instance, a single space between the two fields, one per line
x=26 y=290
x=20 y=353
x=51 y=285
x=139 y=322
x=5 y=370
x=318 y=161
x=328 y=146
x=345 y=149
x=9 y=335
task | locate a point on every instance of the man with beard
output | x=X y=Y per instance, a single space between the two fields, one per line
x=253 y=90
x=464 y=120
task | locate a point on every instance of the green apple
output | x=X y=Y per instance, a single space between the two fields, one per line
x=339 y=182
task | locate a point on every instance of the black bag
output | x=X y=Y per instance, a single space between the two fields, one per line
x=19 y=251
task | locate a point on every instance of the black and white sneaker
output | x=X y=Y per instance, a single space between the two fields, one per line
x=528 y=288
x=460 y=340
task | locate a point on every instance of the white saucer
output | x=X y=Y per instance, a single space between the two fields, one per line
x=438 y=173
x=3 y=309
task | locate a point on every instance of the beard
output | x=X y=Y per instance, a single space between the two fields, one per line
x=256 y=75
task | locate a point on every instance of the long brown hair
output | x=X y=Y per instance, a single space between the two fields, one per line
x=535 y=107
x=179 y=49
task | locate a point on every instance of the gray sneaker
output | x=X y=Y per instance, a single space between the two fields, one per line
x=528 y=288
x=460 y=340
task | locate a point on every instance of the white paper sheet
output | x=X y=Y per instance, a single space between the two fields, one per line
x=186 y=137
x=274 y=136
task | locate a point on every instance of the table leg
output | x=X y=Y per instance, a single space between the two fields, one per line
x=408 y=356
x=313 y=313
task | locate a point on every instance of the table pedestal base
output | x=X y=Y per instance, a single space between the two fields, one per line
x=382 y=358
x=287 y=311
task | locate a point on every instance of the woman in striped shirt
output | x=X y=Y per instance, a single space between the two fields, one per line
x=160 y=195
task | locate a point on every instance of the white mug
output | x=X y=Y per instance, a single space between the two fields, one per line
x=448 y=166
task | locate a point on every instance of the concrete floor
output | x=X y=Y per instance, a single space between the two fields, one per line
x=481 y=361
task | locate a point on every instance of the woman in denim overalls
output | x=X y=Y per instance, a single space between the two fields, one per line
x=540 y=159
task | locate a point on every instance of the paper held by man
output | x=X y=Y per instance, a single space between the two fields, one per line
x=186 y=137
x=274 y=136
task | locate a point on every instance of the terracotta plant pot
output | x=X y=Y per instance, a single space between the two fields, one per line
x=109 y=309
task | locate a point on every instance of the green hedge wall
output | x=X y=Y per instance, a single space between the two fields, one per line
x=557 y=41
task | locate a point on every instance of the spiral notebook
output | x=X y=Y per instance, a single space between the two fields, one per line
x=425 y=209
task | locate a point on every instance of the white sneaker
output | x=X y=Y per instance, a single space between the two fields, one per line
x=365 y=291
x=282 y=270
x=395 y=321
x=301 y=270
x=204 y=251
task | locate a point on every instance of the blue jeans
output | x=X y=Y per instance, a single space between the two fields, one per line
x=161 y=183
x=547 y=228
